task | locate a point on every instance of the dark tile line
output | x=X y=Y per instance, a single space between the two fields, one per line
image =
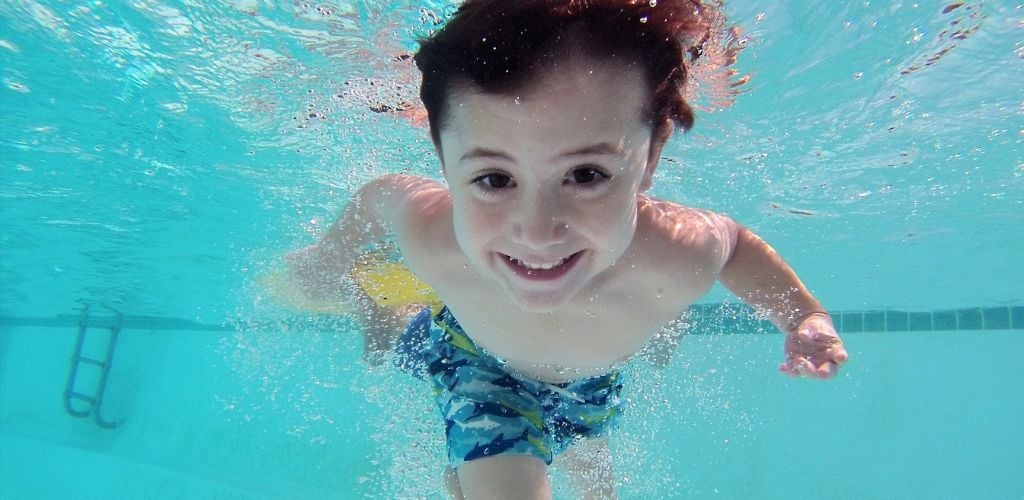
x=722 y=318
x=737 y=318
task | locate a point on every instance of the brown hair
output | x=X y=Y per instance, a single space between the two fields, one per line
x=502 y=45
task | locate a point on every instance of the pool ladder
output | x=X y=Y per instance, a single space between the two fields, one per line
x=94 y=399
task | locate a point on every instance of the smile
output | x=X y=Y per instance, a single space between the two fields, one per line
x=544 y=270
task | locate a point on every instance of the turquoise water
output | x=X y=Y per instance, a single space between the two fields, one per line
x=155 y=157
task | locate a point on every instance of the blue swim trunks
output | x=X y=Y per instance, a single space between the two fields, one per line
x=490 y=411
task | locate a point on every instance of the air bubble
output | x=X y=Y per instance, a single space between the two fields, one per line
x=16 y=86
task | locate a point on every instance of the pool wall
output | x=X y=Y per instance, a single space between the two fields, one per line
x=187 y=427
x=926 y=414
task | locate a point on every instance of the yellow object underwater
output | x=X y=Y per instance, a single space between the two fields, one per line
x=390 y=284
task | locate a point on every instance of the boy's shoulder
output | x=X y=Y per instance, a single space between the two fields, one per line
x=668 y=215
x=421 y=199
x=675 y=230
x=424 y=228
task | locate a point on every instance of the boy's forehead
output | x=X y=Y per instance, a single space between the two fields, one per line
x=582 y=109
x=581 y=89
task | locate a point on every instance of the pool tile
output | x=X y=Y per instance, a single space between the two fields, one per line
x=730 y=324
x=896 y=321
x=739 y=319
x=711 y=318
x=969 y=319
x=920 y=321
x=727 y=319
x=874 y=321
x=997 y=318
x=853 y=322
x=698 y=324
x=752 y=324
x=944 y=320
x=1017 y=318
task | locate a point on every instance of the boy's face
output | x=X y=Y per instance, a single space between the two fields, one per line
x=544 y=182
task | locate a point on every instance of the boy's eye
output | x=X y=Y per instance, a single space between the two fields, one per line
x=493 y=181
x=587 y=175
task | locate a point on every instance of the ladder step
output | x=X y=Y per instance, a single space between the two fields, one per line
x=91 y=361
x=83 y=397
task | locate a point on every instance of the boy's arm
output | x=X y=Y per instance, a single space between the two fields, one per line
x=320 y=273
x=374 y=211
x=759 y=276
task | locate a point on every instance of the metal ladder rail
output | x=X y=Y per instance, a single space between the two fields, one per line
x=95 y=400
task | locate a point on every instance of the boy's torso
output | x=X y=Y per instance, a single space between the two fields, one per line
x=673 y=260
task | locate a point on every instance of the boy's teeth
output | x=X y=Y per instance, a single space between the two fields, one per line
x=545 y=266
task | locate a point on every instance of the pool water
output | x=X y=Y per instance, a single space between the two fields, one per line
x=156 y=157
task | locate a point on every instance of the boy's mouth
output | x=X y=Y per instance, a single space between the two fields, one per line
x=541 y=270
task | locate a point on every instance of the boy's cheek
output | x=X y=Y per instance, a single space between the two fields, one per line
x=478 y=221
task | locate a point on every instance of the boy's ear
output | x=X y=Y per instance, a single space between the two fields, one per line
x=657 y=143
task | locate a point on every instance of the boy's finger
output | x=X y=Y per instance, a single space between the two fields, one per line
x=800 y=366
x=788 y=369
x=827 y=369
x=838 y=354
x=805 y=335
x=818 y=338
x=807 y=369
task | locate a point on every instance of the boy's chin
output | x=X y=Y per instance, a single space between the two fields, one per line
x=540 y=302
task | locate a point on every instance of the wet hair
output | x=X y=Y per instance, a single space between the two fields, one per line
x=498 y=46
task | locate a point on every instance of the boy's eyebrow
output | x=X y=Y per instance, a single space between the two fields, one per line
x=484 y=153
x=602 y=148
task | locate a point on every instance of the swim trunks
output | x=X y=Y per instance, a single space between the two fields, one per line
x=489 y=410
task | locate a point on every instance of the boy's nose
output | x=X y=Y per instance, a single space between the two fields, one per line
x=540 y=223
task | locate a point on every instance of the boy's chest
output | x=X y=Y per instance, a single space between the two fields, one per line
x=581 y=341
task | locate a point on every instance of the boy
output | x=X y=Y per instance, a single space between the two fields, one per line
x=554 y=266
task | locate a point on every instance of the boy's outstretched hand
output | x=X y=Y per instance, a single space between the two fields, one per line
x=813 y=349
